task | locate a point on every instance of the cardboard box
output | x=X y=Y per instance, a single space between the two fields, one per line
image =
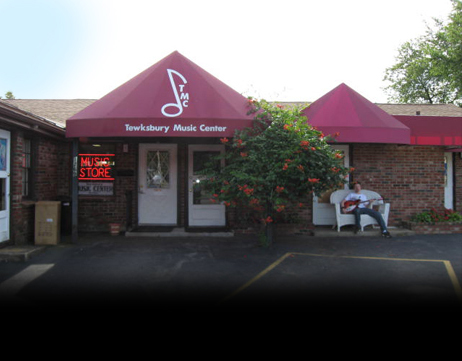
x=47 y=222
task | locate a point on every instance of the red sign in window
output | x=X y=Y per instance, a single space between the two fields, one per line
x=96 y=166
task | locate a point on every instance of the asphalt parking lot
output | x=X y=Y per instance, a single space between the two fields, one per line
x=409 y=273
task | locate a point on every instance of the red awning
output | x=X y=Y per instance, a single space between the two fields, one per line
x=172 y=98
x=356 y=119
x=433 y=130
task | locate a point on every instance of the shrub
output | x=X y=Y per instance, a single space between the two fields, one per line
x=433 y=216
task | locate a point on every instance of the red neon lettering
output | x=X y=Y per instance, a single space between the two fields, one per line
x=95 y=167
x=85 y=162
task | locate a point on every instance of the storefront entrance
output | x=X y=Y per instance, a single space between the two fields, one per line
x=202 y=211
x=4 y=185
x=157 y=185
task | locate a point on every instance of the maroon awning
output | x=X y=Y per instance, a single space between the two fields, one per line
x=356 y=119
x=433 y=130
x=174 y=97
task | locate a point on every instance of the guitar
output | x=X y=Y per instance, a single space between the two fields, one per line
x=350 y=206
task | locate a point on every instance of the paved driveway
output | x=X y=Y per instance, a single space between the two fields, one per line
x=226 y=274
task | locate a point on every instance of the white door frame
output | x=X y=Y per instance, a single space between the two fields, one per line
x=203 y=215
x=449 y=184
x=5 y=214
x=324 y=213
x=158 y=207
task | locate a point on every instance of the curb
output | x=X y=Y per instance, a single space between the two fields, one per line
x=19 y=254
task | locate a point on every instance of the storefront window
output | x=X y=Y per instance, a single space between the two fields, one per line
x=96 y=169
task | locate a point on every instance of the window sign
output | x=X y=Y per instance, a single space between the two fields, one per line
x=96 y=188
x=96 y=167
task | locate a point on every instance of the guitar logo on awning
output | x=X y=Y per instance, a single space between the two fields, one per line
x=181 y=97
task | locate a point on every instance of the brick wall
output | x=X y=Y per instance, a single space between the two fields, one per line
x=410 y=178
x=435 y=228
x=47 y=178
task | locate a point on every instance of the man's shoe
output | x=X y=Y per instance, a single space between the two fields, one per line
x=386 y=234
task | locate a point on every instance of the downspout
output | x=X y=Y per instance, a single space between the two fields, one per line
x=75 y=189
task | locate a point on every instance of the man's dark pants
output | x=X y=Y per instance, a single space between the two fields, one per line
x=370 y=212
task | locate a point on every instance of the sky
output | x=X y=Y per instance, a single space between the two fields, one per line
x=291 y=50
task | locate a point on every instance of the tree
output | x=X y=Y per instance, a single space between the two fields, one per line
x=275 y=165
x=9 y=95
x=429 y=69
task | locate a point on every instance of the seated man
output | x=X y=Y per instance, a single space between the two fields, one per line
x=362 y=209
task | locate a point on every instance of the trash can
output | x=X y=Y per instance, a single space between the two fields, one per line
x=47 y=222
x=66 y=215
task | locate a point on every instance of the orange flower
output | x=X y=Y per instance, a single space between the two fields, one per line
x=300 y=167
x=352 y=169
x=300 y=205
x=313 y=180
x=227 y=204
x=287 y=126
x=313 y=148
x=288 y=160
x=285 y=167
x=248 y=191
x=254 y=201
x=243 y=154
x=338 y=155
x=280 y=208
x=335 y=169
x=304 y=144
x=267 y=220
x=224 y=140
x=280 y=106
x=279 y=189
x=239 y=143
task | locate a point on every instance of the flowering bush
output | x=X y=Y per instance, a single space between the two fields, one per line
x=275 y=165
x=433 y=216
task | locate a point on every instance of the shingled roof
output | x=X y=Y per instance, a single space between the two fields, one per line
x=59 y=110
x=443 y=110
x=56 y=110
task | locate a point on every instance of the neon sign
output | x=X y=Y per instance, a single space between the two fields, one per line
x=96 y=167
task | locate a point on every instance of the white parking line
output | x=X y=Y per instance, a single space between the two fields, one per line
x=10 y=287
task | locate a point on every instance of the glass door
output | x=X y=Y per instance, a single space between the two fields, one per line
x=202 y=211
x=157 y=184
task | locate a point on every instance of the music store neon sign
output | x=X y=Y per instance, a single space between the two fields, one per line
x=96 y=166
